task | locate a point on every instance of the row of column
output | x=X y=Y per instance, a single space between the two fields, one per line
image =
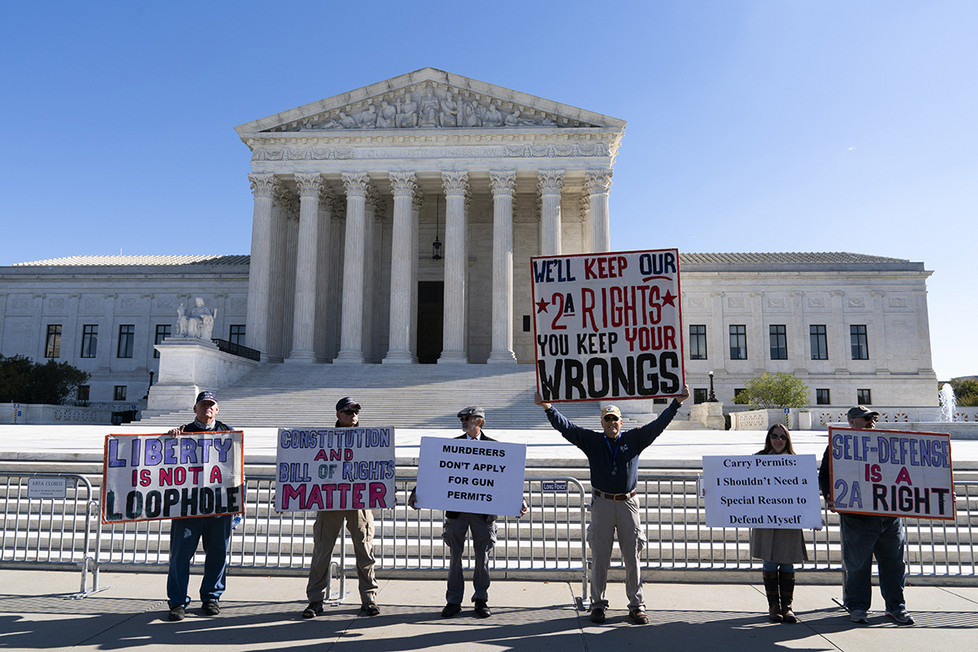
x=267 y=259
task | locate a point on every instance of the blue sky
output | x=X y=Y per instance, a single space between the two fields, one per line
x=752 y=126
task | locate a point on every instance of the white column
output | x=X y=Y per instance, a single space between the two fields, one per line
x=598 y=185
x=402 y=185
x=550 y=183
x=354 y=255
x=259 y=272
x=453 y=331
x=372 y=236
x=503 y=185
x=282 y=207
x=304 y=315
x=415 y=227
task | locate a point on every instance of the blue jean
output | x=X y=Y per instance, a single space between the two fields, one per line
x=864 y=537
x=483 y=540
x=773 y=567
x=185 y=533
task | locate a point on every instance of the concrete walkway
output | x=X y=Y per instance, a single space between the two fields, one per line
x=263 y=613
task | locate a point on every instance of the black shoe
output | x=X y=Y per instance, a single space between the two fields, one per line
x=211 y=608
x=370 y=609
x=178 y=613
x=482 y=609
x=638 y=616
x=451 y=609
x=314 y=609
x=597 y=615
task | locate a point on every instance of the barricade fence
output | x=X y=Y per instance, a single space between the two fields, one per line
x=550 y=538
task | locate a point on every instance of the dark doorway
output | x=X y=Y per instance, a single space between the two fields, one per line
x=431 y=306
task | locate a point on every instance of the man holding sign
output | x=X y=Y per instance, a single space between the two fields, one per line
x=865 y=536
x=457 y=526
x=185 y=533
x=613 y=460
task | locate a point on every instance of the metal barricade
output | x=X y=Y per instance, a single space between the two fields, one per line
x=48 y=520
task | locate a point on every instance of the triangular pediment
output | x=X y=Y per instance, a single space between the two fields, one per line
x=430 y=99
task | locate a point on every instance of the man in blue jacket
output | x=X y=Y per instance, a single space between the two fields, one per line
x=613 y=460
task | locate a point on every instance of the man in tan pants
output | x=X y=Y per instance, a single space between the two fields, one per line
x=360 y=525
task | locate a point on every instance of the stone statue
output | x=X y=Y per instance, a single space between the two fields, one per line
x=469 y=116
x=429 y=108
x=347 y=122
x=448 y=117
x=387 y=117
x=199 y=324
x=368 y=117
x=493 y=117
x=407 y=114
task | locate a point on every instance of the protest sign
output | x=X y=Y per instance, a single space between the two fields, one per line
x=608 y=325
x=769 y=491
x=152 y=477
x=892 y=473
x=471 y=475
x=326 y=469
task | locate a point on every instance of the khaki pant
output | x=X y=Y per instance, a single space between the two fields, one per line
x=607 y=518
x=360 y=525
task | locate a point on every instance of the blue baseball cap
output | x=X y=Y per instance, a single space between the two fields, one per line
x=206 y=396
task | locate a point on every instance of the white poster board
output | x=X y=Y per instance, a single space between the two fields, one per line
x=152 y=477
x=608 y=325
x=762 y=491
x=327 y=469
x=891 y=472
x=465 y=475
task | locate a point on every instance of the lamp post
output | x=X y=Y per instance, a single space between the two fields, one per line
x=713 y=397
x=150 y=385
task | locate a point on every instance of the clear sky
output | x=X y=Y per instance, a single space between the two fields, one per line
x=775 y=125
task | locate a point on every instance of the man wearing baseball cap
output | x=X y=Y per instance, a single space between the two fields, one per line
x=186 y=533
x=360 y=525
x=865 y=536
x=459 y=524
x=613 y=460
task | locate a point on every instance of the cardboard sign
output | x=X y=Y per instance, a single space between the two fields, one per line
x=329 y=469
x=152 y=477
x=762 y=491
x=891 y=473
x=608 y=325
x=465 y=475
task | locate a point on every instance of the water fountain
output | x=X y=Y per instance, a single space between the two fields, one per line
x=948 y=403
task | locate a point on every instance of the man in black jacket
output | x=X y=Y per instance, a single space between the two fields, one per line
x=185 y=533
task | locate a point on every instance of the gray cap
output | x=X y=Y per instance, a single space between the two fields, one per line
x=472 y=411
x=860 y=411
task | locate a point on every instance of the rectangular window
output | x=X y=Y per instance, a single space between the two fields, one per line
x=89 y=344
x=119 y=394
x=526 y=324
x=162 y=332
x=236 y=334
x=52 y=345
x=127 y=333
x=822 y=397
x=738 y=342
x=860 y=342
x=779 y=342
x=83 y=392
x=699 y=395
x=738 y=391
x=697 y=341
x=864 y=397
x=819 y=342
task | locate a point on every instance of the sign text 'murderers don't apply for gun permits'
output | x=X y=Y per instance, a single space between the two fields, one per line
x=608 y=325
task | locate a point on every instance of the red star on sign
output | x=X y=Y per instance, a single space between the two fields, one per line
x=542 y=306
x=669 y=298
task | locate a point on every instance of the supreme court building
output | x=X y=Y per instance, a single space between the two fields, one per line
x=394 y=224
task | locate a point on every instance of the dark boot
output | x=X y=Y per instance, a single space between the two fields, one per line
x=773 y=598
x=786 y=582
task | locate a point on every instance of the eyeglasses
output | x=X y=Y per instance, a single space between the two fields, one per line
x=467 y=417
x=350 y=413
x=610 y=417
x=782 y=437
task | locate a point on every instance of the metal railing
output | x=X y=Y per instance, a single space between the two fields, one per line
x=56 y=528
x=551 y=537
x=237 y=349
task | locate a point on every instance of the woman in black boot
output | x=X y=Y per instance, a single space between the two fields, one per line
x=779 y=549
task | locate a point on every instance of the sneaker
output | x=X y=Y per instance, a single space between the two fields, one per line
x=900 y=616
x=638 y=616
x=211 y=608
x=370 y=609
x=482 y=609
x=858 y=616
x=597 y=615
x=314 y=609
x=451 y=609
x=178 y=613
